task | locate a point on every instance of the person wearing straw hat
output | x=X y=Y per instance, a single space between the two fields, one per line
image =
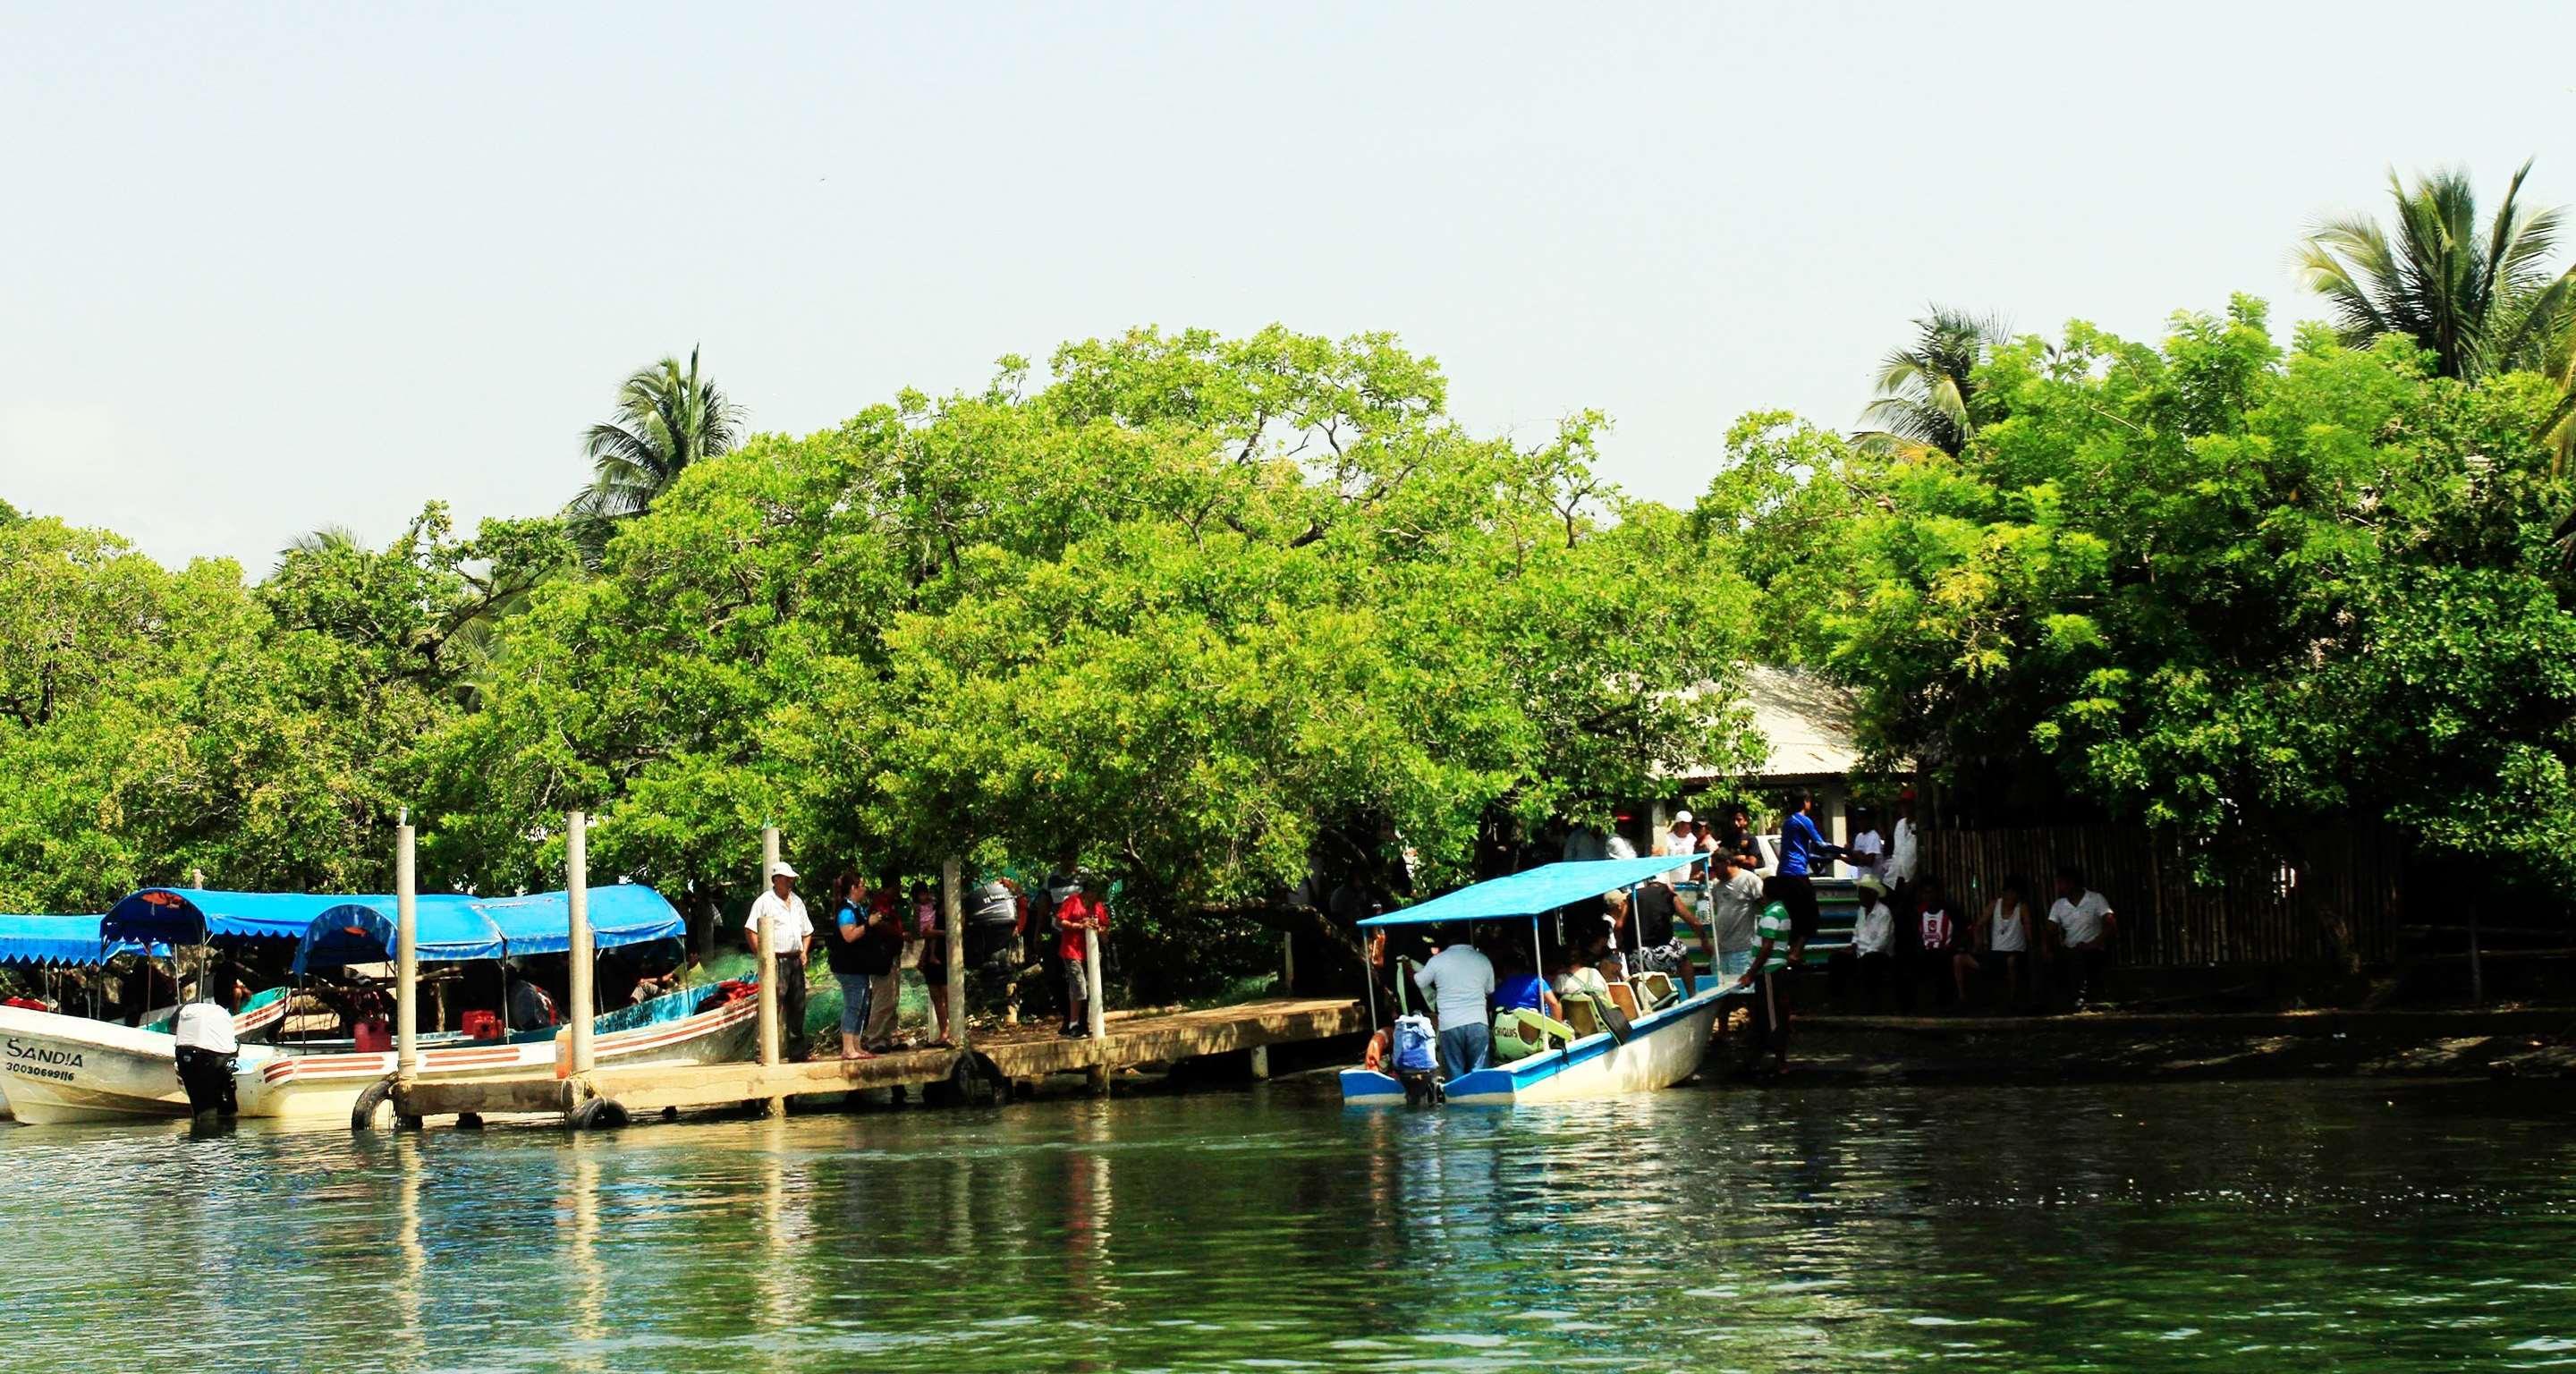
x=791 y=935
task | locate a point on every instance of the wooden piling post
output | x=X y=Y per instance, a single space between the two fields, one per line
x=2477 y=966
x=1260 y=1062
x=1097 y=1014
x=577 y=898
x=406 y=958
x=767 y=966
x=953 y=914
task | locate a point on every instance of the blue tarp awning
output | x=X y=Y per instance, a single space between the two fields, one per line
x=1535 y=891
x=620 y=914
x=57 y=940
x=193 y=916
x=452 y=929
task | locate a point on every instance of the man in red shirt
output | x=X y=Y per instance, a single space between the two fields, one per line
x=1080 y=912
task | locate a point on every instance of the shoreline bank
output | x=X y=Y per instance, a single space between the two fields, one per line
x=2537 y=1043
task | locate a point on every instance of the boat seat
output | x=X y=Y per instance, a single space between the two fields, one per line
x=1624 y=998
x=1579 y=1018
x=1520 y=1033
x=1655 y=990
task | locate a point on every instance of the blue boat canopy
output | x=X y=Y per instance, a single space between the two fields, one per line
x=194 y=916
x=1535 y=891
x=453 y=929
x=58 y=940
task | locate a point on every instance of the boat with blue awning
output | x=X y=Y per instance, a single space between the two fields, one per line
x=97 y=1071
x=1666 y=1030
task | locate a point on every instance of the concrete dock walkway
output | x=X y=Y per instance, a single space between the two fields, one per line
x=1010 y=1055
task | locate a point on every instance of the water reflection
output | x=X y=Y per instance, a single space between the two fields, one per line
x=2353 y=1225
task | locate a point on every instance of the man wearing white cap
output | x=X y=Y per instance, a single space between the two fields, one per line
x=791 y=935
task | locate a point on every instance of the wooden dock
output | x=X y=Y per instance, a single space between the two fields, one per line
x=1012 y=1055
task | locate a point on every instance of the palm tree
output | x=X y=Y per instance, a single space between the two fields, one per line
x=327 y=539
x=667 y=418
x=2481 y=302
x=1925 y=392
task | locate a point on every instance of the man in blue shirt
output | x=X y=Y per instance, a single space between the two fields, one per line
x=1802 y=851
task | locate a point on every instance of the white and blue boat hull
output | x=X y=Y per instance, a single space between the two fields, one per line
x=1662 y=1049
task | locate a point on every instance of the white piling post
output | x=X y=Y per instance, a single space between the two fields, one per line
x=954 y=918
x=1098 y=1015
x=766 y=966
x=1091 y=980
x=406 y=957
x=577 y=897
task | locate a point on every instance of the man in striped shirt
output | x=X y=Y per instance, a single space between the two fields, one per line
x=1778 y=943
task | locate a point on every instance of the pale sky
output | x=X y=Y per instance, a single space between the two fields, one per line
x=269 y=268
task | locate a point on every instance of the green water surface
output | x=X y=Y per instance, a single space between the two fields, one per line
x=2255 y=1226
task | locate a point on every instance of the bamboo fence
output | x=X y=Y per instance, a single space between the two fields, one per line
x=2328 y=897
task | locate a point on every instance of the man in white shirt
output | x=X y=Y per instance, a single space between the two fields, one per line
x=1459 y=984
x=791 y=934
x=1873 y=938
x=2084 y=923
x=207 y=1046
x=1868 y=848
x=1903 y=846
x=1618 y=847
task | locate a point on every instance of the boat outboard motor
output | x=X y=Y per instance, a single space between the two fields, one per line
x=1416 y=1045
x=206 y=1052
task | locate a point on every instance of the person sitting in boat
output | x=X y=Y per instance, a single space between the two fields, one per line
x=1592 y=964
x=1526 y=1012
x=1658 y=906
x=1458 y=982
x=530 y=1007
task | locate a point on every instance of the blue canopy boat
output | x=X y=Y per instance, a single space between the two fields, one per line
x=94 y=1071
x=1667 y=1032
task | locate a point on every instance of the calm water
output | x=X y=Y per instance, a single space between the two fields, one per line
x=2261 y=1226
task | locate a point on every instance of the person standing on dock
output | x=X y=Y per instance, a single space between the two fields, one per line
x=1739 y=840
x=1868 y=848
x=1459 y=982
x=881 y=959
x=791 y=935
x=1769 y=977
x=1081 y=911
x=1734 y=897
x=1904 y=848
x=2084 y=923
x=1802 y=849
x=846 y=950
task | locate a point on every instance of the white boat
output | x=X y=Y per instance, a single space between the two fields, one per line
x=1659 y=1048
x=27 y=1050
x=314 y=1086
x=68 y=1069
x=61 y=1069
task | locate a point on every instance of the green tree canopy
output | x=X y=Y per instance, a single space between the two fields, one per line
x=1192 y=612
x=2212 y=584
